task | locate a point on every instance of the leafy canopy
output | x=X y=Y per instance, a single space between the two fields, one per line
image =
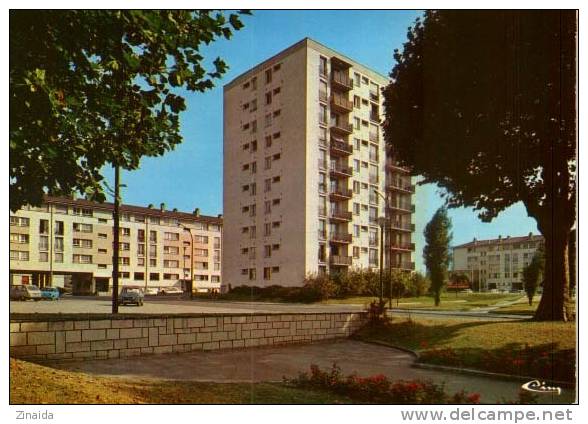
x=93 y=87
x=483 y=104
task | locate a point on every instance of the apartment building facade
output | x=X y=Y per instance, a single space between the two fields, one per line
x=69 y=242
x=306 y=176
x=496 y=264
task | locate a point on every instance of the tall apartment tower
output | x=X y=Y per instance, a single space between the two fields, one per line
x=306 y=172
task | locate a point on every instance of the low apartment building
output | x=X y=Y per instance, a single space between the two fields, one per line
x=307 y=177
x=496 y=264
x=68 y=242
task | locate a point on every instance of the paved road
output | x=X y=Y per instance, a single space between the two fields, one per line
x=167 y=305
x=273 y=363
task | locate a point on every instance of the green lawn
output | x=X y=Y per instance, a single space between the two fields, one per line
x=449 y=301
x=537 y=349
x=36 y=384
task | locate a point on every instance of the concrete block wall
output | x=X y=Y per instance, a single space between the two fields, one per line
x=83 y=337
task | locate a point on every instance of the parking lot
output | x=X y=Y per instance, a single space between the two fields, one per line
x=168 y=305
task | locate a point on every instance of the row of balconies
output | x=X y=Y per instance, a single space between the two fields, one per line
x=341 y=260
x=400 y=186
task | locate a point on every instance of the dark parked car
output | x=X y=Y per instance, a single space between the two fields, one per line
x=25 y=292
x=50 y=293
x=131 y=295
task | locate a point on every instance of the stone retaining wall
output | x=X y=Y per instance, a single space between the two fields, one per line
x=85 y=337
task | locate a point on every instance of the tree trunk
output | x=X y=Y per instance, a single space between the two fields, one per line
x=554 y=301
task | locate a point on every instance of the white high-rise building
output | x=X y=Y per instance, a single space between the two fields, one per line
x=306 y=173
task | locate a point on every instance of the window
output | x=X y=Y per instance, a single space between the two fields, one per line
x=268 y=76
x=322 y=114
x=252 y=210
x=357 y=79
x=124 y=231
x=254 y=83
x=43 y=257
x=267 y=229
x=322 y=185
x=58 y=244
x=277 y=156
x=252 y=252
x=82 y=228
x=153 y=236
x=267 y=251
x=253 y=189
x=323 y=91
x=268 y=141
x=253 y=105
x=124 y=261
x=356 y=209
x=201 y=239
x=322 y=66
x=268 y=98
x=268 y=162
x=356 y=252
x=268 y=120
x=171 y=236
x=59 y=257
x=267 y=184
x=152 y=262
x=153 y=250
x=19 y=238
x=19 y=255
x=200 y=252
x=171 y=264
x=356 y=102
x=276 y=224
x=60 y=209
x=154 y=276
x=83 y=243
x=82 y=259
x=102 y=235
x=268 y=207
x=59 y=228
x=357 y=123
x=82 y=211
x=43 y=243
x=267 y=273
x=356 y=187
x=171 y=250
x=44 y=226
x=252 y=232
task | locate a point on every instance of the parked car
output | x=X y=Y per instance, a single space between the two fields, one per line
x=131 y=295
x=152 y=290
x=25 y=292
x=50 y=293
x=170 y=290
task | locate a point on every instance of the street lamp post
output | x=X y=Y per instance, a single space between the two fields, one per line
x=382 y=224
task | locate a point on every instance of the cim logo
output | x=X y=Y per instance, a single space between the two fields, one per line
x=537 y=386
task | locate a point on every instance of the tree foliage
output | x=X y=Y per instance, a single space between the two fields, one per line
x=482 y=103
x=93 y=87
x=436 y=252
x=533 y=273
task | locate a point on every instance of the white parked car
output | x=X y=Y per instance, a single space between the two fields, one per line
x=170 y=290
x=151 y=291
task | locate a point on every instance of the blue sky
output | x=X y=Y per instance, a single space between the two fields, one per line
x=191 y=175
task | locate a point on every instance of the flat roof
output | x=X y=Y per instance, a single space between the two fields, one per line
x=502 y=240
x=305 y=42
x=133 y=209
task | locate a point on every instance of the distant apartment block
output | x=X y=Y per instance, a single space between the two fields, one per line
x=68 y=242
x=496 y=264
x=304 y=161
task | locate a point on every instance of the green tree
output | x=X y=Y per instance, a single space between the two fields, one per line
x=96 y=87
x=482 y=103
x=400 y=284
x=419 y=284
x=533 y=273
x=436 y=253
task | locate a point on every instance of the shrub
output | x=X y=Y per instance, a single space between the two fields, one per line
x=378 y=388
x=317 y=288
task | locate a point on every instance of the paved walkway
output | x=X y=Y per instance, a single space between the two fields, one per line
x=273 y=363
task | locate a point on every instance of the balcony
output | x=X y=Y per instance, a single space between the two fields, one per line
x=394 y=166
x=407 y=247
x=403 y=265
x=342 y=216
x=341 y=81
x=322 y=164
x=400 y=186
x=322 y=234
x=374 y=96
x=323 y=96
x=374 y=137
x=374 y=241
x=341 y=104
x=340 y=238
x=344 y=128
x=340 y=193
x=402 y=207
x=339 y=171
x=341 y=148
x=338 y=260
x=322 y=211
x=374 y=117
x=402 y=226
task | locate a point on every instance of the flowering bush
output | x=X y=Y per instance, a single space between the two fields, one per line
x=545 y=362
x=378 y=388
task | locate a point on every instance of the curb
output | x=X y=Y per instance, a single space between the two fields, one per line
x=468 y=371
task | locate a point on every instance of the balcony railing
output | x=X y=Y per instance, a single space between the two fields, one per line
x=341 y=215
x=341 y=81
x=374 y=117
x=341 y=237
x=341 y=260
x=341 y=192
x=341 y=147
x=374 y=96
x=341 y=171
x=341 y=127
x=402 y=206
x=400 y=186
x=323 y=96
x=403 y=226
x=374 y=137
x=393 y=165
x=402 y=265
x=403 y=246
x=341 y=104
